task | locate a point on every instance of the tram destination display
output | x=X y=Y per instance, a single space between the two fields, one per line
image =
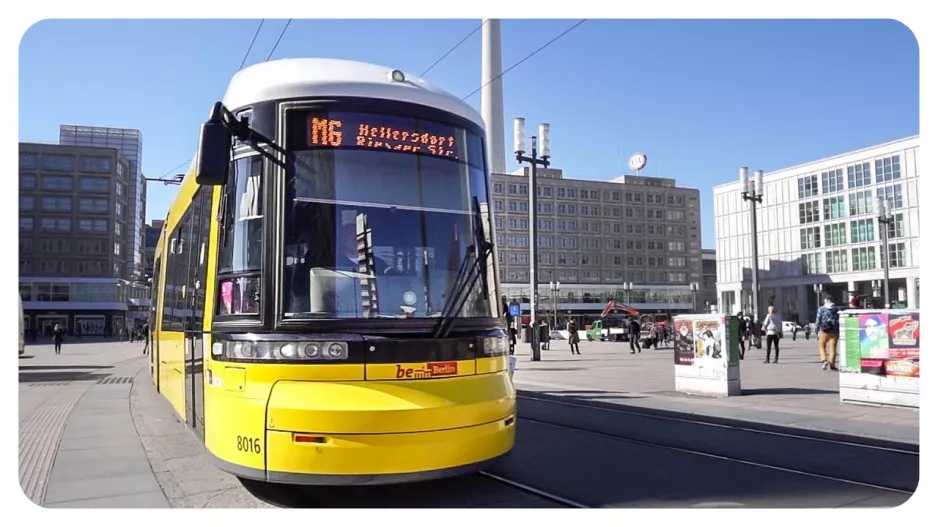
x=383 y=132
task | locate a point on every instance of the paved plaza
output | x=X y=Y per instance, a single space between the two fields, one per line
x=94 y=432
x=795 y=392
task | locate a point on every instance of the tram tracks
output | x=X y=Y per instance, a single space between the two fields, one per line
x=884 y=466
x=575 y=455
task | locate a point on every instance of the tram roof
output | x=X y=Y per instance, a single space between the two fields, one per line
x=311 y=77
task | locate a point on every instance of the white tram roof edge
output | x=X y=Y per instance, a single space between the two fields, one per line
x=322 y=77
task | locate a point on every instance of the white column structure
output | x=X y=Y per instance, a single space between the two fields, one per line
x=493 y=104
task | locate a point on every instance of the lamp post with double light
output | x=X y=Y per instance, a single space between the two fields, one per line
x=752 y=192
x=543 y=137
x=554 y=293
x=885 y=218
x=694 y=287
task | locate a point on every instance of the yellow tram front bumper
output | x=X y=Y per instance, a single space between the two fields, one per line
x=376 y=432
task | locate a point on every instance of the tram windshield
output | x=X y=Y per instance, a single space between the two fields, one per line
x=379 y=217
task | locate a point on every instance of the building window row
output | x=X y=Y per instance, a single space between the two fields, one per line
x=859 y=175
x=893 y=193
x=887 y=169
x=808 y=212
x=832 y=181
x=835 y=234
x=862 y=231
x=807 y=186
x=864 y=258
x=834 y=208
x=810 y=238
x=861 y=203
x=837 y=261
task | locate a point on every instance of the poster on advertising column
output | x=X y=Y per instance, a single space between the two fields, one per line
x=874 y=343
x=882 y=343
x=709 y=356
x=903 y=334
x=684 y=342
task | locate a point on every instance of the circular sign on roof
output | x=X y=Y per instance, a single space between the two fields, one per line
x=638 y=161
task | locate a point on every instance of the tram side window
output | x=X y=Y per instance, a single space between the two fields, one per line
x=174 y=303
x=241 y=253
x=169 y=289
x=155 y=289
x=198 y=253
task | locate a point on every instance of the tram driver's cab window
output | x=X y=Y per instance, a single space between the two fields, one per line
x=240 y=253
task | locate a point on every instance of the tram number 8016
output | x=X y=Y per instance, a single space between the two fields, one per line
x=249 y=444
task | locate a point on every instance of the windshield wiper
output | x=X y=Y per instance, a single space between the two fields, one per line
x=469 y=273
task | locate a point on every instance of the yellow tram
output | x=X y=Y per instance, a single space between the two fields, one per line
x=325 y=292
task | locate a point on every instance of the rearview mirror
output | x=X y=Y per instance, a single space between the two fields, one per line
x=214 y=155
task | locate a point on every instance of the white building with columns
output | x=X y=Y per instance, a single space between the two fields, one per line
x=817 y=224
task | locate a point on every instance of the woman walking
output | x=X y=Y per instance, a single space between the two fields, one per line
x=58 y=335
x=574 y=338
x=772 y=327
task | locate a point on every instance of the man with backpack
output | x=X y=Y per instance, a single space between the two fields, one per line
x=828 y=324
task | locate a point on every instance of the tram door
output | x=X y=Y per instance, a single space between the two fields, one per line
x=195 y=304
x=156 y=293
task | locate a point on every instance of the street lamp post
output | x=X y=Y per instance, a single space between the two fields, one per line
x=554 y=293
x=885 y=218
x=752 y=192
x=694 y=286
x=544 y=139
x=818 y=289
x=628 y=292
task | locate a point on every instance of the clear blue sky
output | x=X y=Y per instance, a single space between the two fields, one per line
x=700 y=98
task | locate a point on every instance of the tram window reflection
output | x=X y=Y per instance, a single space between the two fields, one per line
x=239 y=296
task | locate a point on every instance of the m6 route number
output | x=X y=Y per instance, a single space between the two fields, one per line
x=249 y=444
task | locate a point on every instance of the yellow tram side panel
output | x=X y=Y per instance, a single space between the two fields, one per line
x=172 y=365
x=157 y=303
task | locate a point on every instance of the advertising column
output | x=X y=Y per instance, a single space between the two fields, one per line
x=706 y=355
x=880 y=357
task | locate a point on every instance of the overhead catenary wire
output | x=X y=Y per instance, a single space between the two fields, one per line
x=240 y=67
x=251 y=46
x=277 y=43
x=535 y=52
x=454 y=48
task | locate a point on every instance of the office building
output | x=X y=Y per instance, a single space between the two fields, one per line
x=595 y=237
x=73 y=218
x=129 y=143
x=707 y=298
x=818 y=225
x=151 y=237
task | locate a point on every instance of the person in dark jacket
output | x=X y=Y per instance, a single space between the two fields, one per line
x=574 y=338
x=828 y=324
x=58 y=335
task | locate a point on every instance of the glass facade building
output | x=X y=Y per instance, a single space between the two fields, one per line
x=817 y=225
x=129 y=142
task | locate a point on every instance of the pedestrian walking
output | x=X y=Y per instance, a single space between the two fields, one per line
x=58 y=335
x=635 y=332
x=772 y=327
x=574 y=338
x=828 y=324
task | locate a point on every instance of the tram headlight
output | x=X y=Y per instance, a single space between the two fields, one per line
x=312 y=350
x=288 y=351
x=495 y=346
x=337 y=351
x=279 y=350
